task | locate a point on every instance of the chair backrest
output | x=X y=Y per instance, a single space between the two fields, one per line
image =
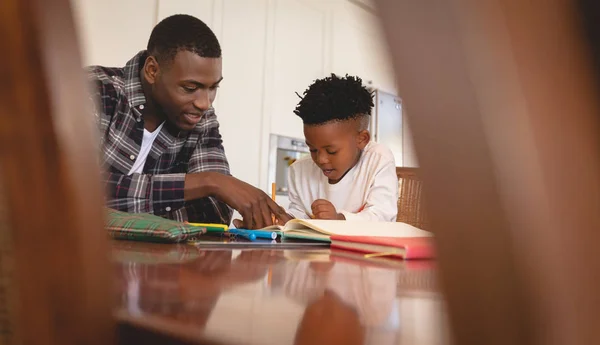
x=410 y=198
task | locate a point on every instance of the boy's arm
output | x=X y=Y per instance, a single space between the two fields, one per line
x=296 y=208
x=382 y=199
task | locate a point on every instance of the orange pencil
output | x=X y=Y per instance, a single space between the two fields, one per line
x=273 y=188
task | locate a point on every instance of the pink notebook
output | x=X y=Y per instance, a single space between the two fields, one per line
x=400 y=247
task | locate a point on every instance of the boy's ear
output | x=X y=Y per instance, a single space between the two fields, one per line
x=363 y=138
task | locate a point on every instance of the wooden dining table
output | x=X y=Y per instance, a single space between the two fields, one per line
x=237 y=293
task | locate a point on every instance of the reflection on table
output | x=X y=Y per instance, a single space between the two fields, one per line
x=270 y=296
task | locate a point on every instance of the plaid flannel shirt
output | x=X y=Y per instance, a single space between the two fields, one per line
x=118 y=97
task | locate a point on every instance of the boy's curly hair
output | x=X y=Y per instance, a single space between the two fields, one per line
x=334 y=99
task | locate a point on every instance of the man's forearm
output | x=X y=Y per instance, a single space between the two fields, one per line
x=201 y=185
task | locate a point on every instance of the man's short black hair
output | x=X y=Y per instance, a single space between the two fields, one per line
x=334 y=99
x=182 y=32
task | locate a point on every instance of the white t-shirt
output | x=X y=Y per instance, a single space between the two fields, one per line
x=368 y=192
x=147 y=141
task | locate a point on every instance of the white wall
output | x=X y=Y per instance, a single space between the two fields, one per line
x=271 y=49
x=112 y=31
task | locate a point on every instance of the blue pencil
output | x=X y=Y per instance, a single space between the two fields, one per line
x=243 y=233
x=257 y=233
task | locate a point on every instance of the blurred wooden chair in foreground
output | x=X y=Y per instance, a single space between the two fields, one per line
x=411 y=209
x=503 y=100
x=54 y=269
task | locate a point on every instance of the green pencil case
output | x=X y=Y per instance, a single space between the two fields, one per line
x=147 y=227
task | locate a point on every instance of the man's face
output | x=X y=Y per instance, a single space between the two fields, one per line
x=186 y=87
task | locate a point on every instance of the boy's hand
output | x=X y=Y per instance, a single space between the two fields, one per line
x=323 y=209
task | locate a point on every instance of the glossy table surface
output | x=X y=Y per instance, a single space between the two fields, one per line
x=237 y=295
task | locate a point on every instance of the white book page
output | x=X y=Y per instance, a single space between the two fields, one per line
x=358 y=228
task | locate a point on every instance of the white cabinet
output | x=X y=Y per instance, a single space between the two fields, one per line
x=240 y=98
x=297 y=59
x=358 y=47
x=202 y=9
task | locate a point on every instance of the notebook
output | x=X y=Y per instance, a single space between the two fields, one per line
x=322 y=230
x=358 y=258
x=399 y=247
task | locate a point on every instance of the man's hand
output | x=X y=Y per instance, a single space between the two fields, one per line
x=255 y=206
x=323 y=209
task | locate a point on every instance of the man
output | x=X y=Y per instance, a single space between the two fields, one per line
x=162 y=151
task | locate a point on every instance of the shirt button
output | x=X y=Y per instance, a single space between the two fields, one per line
x=132 y=157
x=138 y=119
x=168 y=208
x=141 y=106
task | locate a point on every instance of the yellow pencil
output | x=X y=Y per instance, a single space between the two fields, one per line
x=210 y=227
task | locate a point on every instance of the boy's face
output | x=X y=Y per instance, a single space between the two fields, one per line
x=335 y=146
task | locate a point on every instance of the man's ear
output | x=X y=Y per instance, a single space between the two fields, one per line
x=363 y=138
x=151 y=69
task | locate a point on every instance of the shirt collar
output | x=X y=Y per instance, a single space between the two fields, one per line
x=133 y=85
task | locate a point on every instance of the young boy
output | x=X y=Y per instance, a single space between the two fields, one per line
x=348 y=177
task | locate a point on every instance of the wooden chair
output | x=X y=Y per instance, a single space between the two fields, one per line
x=504 y=112
x=410 y=201
x=55 y=285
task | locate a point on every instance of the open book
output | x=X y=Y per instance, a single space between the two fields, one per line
x=322 y=230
